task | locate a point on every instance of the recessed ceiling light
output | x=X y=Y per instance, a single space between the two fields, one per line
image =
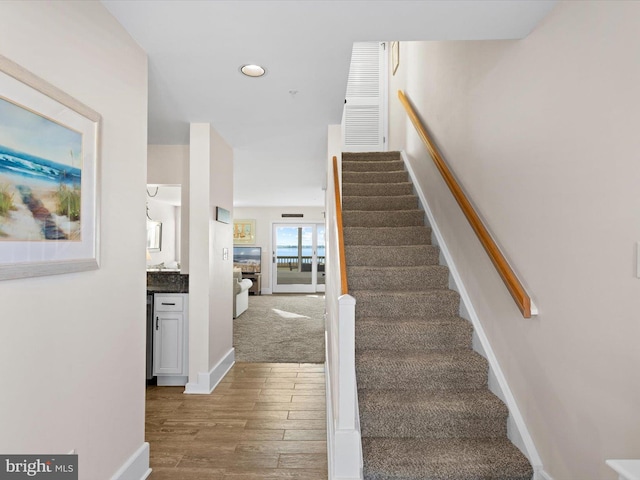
x=253 y=70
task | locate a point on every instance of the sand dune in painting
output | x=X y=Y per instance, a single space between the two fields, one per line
x=40 y=177
x=32 y=214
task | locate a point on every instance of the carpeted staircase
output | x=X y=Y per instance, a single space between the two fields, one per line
x=425 y=410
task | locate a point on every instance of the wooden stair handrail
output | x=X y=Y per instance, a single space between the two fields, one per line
x=344 y=289
x=519 y=294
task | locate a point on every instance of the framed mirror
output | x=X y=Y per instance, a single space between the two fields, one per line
x=154 y=236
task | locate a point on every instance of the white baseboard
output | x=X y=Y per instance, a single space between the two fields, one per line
x=541 y=475
x=209 y=380
x=517 y=430
x=266 y=291
x=136 y=467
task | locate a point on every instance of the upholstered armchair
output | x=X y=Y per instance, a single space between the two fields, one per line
x=240 y=292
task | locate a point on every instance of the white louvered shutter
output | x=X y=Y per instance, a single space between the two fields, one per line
x=363 y=119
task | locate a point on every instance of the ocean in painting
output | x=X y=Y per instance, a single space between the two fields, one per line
x=39 y=198
x=13 y=162
x=40 y=177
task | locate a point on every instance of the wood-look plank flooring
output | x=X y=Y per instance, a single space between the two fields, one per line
x=263 y=421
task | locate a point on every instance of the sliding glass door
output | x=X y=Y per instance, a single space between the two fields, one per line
x=298 y=258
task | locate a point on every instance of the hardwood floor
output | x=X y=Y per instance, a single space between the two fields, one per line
x=263 y=421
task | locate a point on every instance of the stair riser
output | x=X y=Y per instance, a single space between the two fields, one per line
x=457 y=459
x=428 y=336
x=375 y=177
x=430 y=304
x=397 y=278
x=405 y=202
x=392 y=256
x=416 y=235
x=405 y=218
x=370 y=156
x=375 y=166
x=431 y=378
x=440 y=424
x=376 y=189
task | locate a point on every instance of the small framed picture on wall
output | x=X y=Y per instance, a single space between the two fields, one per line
x=244 y=232
x=395 y=56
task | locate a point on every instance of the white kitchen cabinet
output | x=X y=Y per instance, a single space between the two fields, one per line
x=170 y=338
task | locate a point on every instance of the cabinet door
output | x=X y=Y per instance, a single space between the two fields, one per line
x=168 y=343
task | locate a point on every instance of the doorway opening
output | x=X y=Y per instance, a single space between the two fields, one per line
x=298 y=258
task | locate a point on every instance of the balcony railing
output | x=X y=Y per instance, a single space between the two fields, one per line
x=292 y=262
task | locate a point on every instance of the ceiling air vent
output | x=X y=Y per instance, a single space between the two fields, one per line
x=292 y=215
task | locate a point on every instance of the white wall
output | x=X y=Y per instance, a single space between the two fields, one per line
x=169 y=165
x=542 y=133
x=210 y=276
x=72 y=346
x=221 y=269
x=265 y=217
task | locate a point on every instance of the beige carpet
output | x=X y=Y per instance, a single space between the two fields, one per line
x=281 y=328
x=425 y=409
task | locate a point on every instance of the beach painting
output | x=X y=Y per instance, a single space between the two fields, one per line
x=40 y=177
x=49 y=178
x=244 y=231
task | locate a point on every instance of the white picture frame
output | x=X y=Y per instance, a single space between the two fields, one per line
x=43 y=191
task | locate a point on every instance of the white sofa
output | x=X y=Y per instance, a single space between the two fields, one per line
x=241 y=293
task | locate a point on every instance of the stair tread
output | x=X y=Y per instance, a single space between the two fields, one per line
x=396 y=247
x=443 y=459
x=408 y=362
x=378 y=189
x=404 y=183
x=369 y=197
x=392 y=255
x=477 y=401
x=402 y=268
x=447 y=357
x=424 y=294
x=383 y=212
x=383 y=218
x=410 y=320
x=395 y=176
x=433 y=414
x=372 y=165
x=424 y=334
x=371 y=156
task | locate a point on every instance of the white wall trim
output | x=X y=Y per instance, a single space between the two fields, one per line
x=517 y=430
x=626 y=469
x=345 y=444
x=541 y=475
x=207 y=381
x=136 y=467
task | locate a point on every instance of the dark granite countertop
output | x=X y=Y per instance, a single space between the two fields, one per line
x=167 y=282
x=166 y=289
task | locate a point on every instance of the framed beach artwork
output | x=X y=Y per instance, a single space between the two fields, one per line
x=395 y=56
x=244 y=232
x=49 y=182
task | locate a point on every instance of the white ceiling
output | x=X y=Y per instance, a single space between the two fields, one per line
x=195 y=49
